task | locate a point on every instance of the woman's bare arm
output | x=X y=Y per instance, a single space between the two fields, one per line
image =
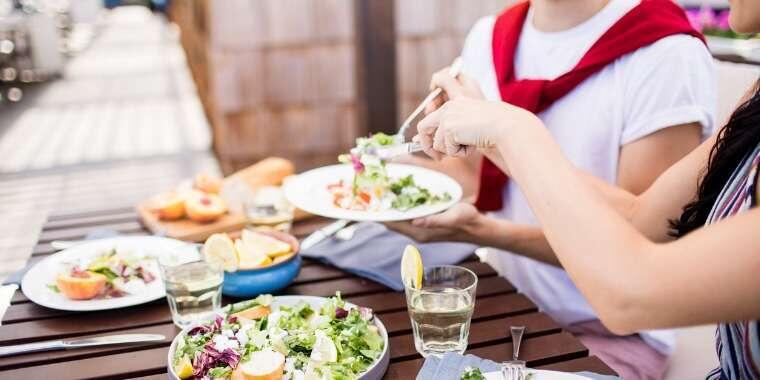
x=631 y=281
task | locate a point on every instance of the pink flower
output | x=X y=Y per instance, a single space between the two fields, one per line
x=357 y=163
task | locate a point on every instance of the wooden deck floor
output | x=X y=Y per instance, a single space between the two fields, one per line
x=124 y=113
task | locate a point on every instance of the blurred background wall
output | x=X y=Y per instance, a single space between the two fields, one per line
x=281 y=76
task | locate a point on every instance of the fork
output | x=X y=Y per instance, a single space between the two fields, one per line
x=515 y=369
x=454 y=70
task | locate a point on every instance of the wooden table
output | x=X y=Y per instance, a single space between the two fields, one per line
x=498 y=306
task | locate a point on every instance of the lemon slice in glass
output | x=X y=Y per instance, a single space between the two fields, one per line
x=411 y=267
x=219 y=250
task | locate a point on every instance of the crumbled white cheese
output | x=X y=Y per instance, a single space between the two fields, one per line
x=259 y=338
x=318 y=320
x=222 y=342
x=273 y=319
x=242 y=336
x=228 y=333
x=135 y=286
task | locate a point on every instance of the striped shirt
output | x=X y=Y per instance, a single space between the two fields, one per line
x=738 y=343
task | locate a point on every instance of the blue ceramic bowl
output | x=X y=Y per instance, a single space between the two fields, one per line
x=252 y=282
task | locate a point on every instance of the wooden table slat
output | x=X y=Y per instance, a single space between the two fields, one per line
x=485 y=308
x=589 y=363
x=117 y=366
x=81 y=232
x=41 y=358
x=93 y=221
x=86 y=212
x=490 y=331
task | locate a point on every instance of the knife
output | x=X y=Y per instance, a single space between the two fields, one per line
x=390 y=151
x=323 y=233
x=79 y=343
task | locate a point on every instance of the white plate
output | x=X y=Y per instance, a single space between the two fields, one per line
x=540 y=374
x=36 y=280
x=308 y=191
x=373 y=372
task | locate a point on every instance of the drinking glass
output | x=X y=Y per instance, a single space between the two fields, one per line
x=441 y=309
x=269 y=209
x=193 y=286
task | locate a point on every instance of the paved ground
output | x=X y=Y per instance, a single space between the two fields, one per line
x=124 y=109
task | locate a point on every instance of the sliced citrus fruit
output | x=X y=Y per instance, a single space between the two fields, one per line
x=220 y=250
x=411 y=267
x=184 y=368
x=249 y=258
x=265 y=244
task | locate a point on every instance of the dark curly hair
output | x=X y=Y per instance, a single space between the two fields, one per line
x=737 y=138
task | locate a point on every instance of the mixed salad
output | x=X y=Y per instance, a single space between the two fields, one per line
x=256 y=340
x=110 y=275
x=472 y=373
x=372 y=189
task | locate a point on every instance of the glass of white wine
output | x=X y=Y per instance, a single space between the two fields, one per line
x=193 y=286
x=441 y=309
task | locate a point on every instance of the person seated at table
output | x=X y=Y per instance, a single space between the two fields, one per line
x=684 y=252
x=627 y=89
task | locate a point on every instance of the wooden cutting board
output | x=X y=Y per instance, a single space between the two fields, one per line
x=186 y=229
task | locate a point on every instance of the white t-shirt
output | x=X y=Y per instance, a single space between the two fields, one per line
x=668 y=83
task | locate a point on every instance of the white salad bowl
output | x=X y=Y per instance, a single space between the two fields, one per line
x=375 y=372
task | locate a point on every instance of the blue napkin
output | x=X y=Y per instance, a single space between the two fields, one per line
x=451 y=366
x=375 y=253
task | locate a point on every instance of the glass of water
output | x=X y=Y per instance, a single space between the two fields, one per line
x=441 y=310
x=269 y=209
x=193 y=286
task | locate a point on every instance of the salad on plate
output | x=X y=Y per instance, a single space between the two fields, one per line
x=112 y=274
x=371 y=188
x=258 y=340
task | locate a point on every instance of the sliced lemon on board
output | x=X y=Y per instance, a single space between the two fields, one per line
x=220 y=250
x=411 y=267
x=184 y=368
x=248 y=257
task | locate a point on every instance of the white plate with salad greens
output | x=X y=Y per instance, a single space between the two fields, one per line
x=371 y=190
x=284 y=337
x=99 y=275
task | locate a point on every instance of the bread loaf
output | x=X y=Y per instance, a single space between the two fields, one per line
x=267 y=172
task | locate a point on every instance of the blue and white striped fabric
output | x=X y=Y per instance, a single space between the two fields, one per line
x=738 y=343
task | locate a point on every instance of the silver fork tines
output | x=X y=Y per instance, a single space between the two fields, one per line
x=515 y=369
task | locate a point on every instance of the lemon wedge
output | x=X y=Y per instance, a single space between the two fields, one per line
x=265 y=244
x=220 y=250
x=184 y=368
x=324 y=350
x=249 y=258
x=411 y=267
